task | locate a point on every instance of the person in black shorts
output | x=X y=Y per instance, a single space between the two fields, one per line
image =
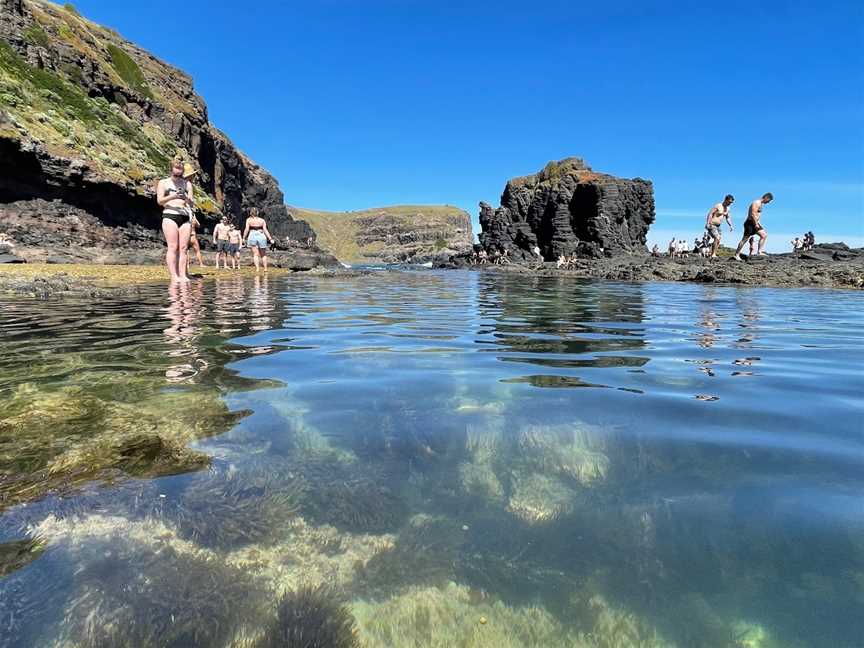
x=234 y=239
x=220 y=240
x=753 y=225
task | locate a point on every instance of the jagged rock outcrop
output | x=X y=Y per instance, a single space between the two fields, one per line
x=401 y=233
x=91 y=120
x=569 y=209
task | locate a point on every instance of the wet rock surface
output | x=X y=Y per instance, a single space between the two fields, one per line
x=42 y=231
x=831 y=265
x=567 y=208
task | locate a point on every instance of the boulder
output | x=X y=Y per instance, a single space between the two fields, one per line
x=567 y=208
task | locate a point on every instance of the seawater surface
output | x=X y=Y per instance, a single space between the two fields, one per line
x=433 y=459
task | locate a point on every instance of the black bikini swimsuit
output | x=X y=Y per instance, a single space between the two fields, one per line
x=180 y=219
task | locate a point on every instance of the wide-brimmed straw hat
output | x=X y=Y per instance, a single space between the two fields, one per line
x=189 y=170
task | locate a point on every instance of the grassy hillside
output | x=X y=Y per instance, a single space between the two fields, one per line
x=54 y=108
x=338 y=231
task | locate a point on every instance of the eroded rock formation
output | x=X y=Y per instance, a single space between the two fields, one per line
x=91 y=120
x=569 y=209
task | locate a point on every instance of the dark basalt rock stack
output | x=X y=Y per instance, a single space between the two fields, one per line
x=569 y=209
x=101 y=99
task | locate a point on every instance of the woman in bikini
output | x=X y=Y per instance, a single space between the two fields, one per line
x=257 y=236
x=174 y=195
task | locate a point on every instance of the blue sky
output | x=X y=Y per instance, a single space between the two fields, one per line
x=356 y=104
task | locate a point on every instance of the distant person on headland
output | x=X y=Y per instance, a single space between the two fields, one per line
x=672 y=248
x=174 y=196
x=714 y=220
x=655 y=251
x=257 y=236
x=220 y=240
x=753 y=226
x=796 y=245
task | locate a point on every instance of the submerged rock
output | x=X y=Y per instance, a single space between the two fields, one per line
x=537 y=498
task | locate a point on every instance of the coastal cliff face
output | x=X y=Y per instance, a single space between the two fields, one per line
x=569 y=209
x=413 y=233
x=90 y=121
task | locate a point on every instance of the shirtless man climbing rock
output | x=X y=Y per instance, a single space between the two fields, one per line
x=753 y=225
x=715 y=219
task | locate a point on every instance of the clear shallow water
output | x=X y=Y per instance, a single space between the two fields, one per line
x=465 y=459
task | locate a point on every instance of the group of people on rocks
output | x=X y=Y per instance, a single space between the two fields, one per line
x=565 y=262
x=708 y=245
x=753 y=233
x=175 y=195
x=497 y=257
x=803 y=243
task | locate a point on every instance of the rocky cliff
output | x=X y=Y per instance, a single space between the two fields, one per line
x=569 y=209
x=415 y=233
x=89 y=122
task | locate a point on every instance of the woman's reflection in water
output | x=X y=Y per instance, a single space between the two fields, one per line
x=184 y=310
x=228 y=307
x=262 y=305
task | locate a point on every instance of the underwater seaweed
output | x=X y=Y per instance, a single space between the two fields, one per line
x=572 y=451
x=539 y=499
x=453 y=617
x=426 y=553
x=140 y=596
x=356 y=497
x=47 y=443
x=311 y=617
x=230 y=508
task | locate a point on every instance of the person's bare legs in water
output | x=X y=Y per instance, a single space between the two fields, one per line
x=172 y=238
x=183 y=245
x=177 y=239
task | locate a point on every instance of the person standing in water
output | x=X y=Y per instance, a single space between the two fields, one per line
x=257 y=236
x=753 y=225
x=715 y=218
x=220 y=241
x=174 y=196
x=188 y=174
x=234 y=240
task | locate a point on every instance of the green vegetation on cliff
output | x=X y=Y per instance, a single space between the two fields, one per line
x=58 y=114
x=362 y=235
x=129 y=70
x=53 y=105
